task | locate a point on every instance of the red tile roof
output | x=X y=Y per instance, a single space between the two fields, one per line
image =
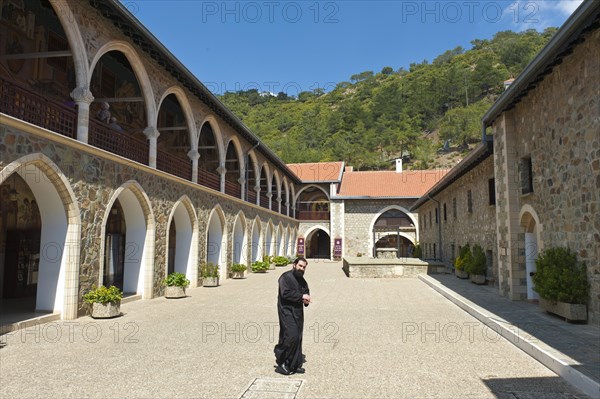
x=411 y=183
x=317 y=171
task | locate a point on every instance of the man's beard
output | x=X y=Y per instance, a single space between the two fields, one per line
x=298 y=273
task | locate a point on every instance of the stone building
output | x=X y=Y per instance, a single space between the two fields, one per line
x=546 y=164
x=117 y=166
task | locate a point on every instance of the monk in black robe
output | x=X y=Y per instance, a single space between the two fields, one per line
x=293 y=296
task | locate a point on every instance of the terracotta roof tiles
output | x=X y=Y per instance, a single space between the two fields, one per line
x=412 y=183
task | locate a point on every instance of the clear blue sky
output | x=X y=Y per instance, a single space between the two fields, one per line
x=294 y=46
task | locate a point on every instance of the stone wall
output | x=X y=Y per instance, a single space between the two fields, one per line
x=459 y=226
x=95 y=178
x=557 y=126
x=359 y=217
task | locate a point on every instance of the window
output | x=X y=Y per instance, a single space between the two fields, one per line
x=445 y=218
x=434 y=255
x=430 y=224
x=454 y=207
x=469 y=201
x=436 y=215
x=526 y=175
x=492 y=191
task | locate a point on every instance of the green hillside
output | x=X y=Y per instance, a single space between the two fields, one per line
x=376 y=117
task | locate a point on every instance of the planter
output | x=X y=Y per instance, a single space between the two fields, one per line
x=237 y=275
x=478 y=279
x=259 y=271
x=175 y=292
x=210 y=282
x=461 y=274
x=570 y=311
x=106 y=310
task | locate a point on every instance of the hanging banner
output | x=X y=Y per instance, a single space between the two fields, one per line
x=337 y=249
x=300 y=250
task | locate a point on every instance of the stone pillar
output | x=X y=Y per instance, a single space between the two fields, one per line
x=257 y=190
x=221 y=171
x=287 y=208
x=194 y=155
x=152 y=134
x=83 y=97
x=270 y=197
x=242 y=182
x=279 y=199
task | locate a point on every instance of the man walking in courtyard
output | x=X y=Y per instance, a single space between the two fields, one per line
x=293 y=296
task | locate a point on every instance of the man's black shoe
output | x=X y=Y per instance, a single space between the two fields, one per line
x=300 y=370
x=282 y=369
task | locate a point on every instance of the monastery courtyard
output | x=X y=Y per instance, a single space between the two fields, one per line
x=363 y=338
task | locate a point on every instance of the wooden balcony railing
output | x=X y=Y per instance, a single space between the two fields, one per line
x=33 y=108
x=209 y=179
x=174 y=165
x=120 y=143
x=233 y=189
x=264 y=201
x=251 y=197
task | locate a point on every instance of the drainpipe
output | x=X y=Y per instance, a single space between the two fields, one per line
x=247 y=168
x=439 y=226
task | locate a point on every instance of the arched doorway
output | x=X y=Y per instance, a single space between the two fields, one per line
x=214 y=242
x=127 y=254
x=39 y=267
x=530 y=226
x=318 y=245
x=269 y=240
x=239 y=240
x=256 y=247
x=179 y=257
x=393 y=234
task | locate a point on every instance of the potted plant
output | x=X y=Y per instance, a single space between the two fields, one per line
x=175 y=283
x=476 y=265
x=562 y=284
x=417 y=252
x=281 y=261
x=210 y=275
x=270 y=261
x=260 y=267
x=460 y=262
x=237 y=270
x=105 y=302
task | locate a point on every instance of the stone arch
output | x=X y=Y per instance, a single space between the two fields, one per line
x=252 y=174
x=286 y=201
x=184 y=102
x=58 y=288
x=279 y=240
x=216 y=246
x=413 y=240
x=186 y=222
x=307 y=187
x=138 y=69
x=238 y=149
x=69 y=24
x=257 y=237
x=269 y=239
x=214 y=124
x=532 y=228
x=326 y=244
x=139 y=241
x=239 y=239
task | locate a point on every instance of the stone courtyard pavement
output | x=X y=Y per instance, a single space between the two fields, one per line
x=364 y=338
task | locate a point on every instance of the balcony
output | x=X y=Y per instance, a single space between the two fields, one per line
x=251 y=197
x=174 y=165
x=264 y=201
x=209 y=179
x=33 y=108
x=313 y=210
x=233 y=189
x=103 y=136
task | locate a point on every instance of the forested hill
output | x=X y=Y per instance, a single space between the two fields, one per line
x=376 y=117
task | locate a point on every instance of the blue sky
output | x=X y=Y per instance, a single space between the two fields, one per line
x=294 y=46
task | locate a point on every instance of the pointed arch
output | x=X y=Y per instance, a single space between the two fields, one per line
x=58 y=278
x=240 y=239
x=138 y=69
x=185 y=258
x=216 y=240
x=216 y=129
x=186 y=108
x=311 y=186
x=257 y=238
x=269 y=239
x=138 y=272
x=286 y=201
x=253 y=176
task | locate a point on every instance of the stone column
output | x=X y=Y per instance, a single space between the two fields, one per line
x=83 y=97
x=270 y=197
x=221 y=171
x=194 y=155
x=287 y=208
x=242 y=182
x=152 y=134
x=279 y=199
x=257 y=190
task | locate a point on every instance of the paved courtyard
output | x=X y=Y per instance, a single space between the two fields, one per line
x=364 y=338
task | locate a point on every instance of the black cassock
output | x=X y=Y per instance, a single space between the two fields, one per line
x=291 y=319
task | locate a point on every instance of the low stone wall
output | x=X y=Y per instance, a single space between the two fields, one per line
x=362 y=267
